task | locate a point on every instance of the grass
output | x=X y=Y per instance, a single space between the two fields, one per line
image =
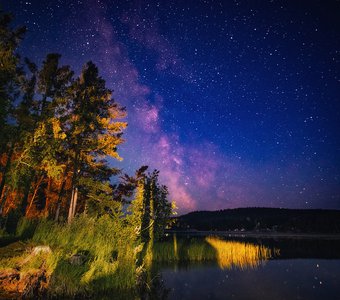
x=108 y=251
x=3 y=233
x=228 y=254
x=26 y=228
x=104 y=245
x=183 y=250
x=109 y=257
x=12 y=254
x=231 y=254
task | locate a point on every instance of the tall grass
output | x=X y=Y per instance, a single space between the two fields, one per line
x=183 y=250
x=228 y=254
x=105 y=245
x=26 y=227
x=108 y=250
x=231 y=254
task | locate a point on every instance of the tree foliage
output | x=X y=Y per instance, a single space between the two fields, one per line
x=58 y=133
x=150 y=209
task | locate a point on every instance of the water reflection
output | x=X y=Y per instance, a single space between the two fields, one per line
x=308 y=279
x=231 y=254
x=220 y=268
x=252 y=269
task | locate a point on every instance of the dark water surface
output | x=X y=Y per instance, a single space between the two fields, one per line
x=276 y=279
x=302 y=269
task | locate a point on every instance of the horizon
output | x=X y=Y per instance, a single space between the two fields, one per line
x=255 y=207
x=240 y=109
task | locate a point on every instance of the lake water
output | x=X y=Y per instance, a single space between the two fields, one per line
x=298 y=269
x=217 y=267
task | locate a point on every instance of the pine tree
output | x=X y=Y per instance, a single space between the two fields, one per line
x=10 y=73
x=9 y=68
x=150 y=209
x=159 y=206
x=92 y=129
x=41 y=140
x=37 y=144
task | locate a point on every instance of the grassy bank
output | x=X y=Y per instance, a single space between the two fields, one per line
x=97 y=256
x=88 y=256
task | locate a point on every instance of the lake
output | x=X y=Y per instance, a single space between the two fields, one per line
x=217 y=267
x=296 y=269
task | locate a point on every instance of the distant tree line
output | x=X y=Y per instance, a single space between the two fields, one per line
x=262 y=219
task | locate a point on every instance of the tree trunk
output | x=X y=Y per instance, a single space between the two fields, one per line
x=60 y=197
x=69 y=218
x=3 y=202
x=73 y=205
x=7 y=166
x=57 y=212
x=47 y=194
x=26 y=194
x=152 y=213
x=43 y=105
x=74 y=196
x=35 y=192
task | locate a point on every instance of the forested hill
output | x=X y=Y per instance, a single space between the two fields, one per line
x=262 y=219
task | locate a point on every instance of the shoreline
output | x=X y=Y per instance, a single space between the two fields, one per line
x=252 y=234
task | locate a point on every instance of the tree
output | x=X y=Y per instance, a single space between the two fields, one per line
x=39 y=147
x=9 y=67
x=52 y=83
x=9 y=89
x=159 y=207
x=150 y=210
x=91 y=128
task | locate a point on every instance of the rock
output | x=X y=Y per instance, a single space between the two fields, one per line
x=35 y=251
x=41 y=249
x=77 y=259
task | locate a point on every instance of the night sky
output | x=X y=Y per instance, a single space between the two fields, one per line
x=235 y=102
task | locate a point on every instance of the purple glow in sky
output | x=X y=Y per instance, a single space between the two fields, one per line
x=236 y=103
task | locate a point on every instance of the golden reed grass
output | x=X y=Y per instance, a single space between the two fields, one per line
x=231 y=254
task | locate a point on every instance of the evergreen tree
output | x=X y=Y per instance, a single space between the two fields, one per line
x=10 y=73
x=9 y=68
x=150 y=209
x=40 y=143
x=92 y=130
x=159 y=206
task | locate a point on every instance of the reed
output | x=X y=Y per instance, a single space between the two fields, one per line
x=183 y=250
x=228 y=254
x=231 y=254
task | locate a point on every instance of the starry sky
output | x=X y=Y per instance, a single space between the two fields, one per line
x=235 y=102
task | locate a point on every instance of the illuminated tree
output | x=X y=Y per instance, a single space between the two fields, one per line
x=40 y=133
x=150 y=208
x=158 y=206
x=92 y=130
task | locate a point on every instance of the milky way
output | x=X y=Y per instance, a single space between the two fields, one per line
x=235 y=102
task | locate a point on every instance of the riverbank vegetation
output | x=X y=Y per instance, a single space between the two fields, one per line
x=85 y=220
x=80 y=262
